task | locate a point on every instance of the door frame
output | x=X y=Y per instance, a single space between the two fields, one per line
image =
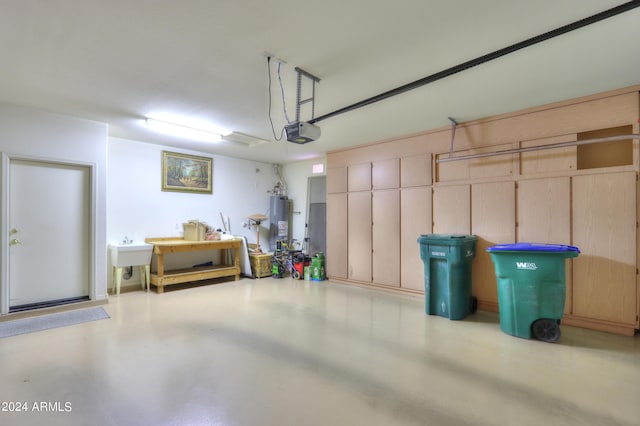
x=310 y=179
x=5 y=185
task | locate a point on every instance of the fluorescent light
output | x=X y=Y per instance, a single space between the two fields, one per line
x=182 y=131
x=243 y=139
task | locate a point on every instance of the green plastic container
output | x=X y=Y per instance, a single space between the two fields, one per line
x=447 y=274
x=531 y=288
x=317 y=267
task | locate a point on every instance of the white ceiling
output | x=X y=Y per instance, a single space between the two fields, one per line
x=119 y=61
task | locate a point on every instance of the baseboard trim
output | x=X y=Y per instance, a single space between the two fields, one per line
x=591 y=324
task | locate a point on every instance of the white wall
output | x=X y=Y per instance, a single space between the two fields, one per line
x=31 y=133
x=297 y=175
x=128 y=197
x=138 y=208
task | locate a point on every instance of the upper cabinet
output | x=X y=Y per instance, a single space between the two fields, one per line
x=337 y=180
x=415 y=170
x=606 y=153
x=385 y=174
x=551 y=160
x=359 y=177
x=494 y=166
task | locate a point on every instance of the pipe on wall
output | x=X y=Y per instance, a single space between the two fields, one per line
x=538 y=148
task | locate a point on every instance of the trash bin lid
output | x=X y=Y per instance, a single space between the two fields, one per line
x=449 y=239
x=534 y=247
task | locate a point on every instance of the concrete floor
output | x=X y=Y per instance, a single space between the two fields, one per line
x=284 y=352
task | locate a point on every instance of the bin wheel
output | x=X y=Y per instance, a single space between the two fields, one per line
x=296 y=275
x=473 y=304
x=546 y=330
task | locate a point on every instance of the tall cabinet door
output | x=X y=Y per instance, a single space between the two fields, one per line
x=337 y=235
x=604 y=229
x=544 y=216
x=359 y=236
x=415 y=213
x=493 y=222
x=544 y=210
x=337 y=222
x=452 y=209
x=386 y=237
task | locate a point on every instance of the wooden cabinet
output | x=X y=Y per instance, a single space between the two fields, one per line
x=359 y=236
x=544 y=216
x=337 y=180
x=368 y=246
x=386 y=237
x=416 y=220
x=415 y=171
x=583 y=194
x=452 y=209
x=385 y=174
x=359 y=177
x=548 y=160
x=337 y=211
x=336 y=255
x=476 y=168
x=544 y=210
x=604 y=228
x=493 y=222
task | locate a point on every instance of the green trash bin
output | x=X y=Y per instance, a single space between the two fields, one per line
x=447 y=274
x=531 y=287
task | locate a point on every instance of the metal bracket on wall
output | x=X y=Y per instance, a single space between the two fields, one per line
x=300 y=102
x=454 y=124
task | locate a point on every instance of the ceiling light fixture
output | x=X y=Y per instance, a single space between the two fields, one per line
x=243 y=139
x=182 y=130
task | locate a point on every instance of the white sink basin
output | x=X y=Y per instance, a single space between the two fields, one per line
x=130 y=254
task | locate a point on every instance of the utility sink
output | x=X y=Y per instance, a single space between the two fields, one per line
x=130 y=254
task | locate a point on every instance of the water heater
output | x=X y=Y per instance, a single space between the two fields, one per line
x=278 y=220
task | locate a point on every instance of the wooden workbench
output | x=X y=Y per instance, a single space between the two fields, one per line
x=162 y=246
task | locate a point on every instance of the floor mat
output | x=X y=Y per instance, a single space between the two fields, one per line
x=46 y=322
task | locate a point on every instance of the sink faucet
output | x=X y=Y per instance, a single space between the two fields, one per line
x=126 y=240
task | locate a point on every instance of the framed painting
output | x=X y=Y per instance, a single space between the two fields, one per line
x=187 y=173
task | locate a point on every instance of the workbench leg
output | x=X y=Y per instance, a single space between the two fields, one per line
x=236 y=262
x=160 y=264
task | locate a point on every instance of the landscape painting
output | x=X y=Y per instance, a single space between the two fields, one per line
x=187 y=173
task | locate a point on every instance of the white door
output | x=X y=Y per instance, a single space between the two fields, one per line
x=49 y=237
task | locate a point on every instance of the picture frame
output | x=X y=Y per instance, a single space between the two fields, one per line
x=187 y=173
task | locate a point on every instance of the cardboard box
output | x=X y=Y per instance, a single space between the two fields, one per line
x=194 y=230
